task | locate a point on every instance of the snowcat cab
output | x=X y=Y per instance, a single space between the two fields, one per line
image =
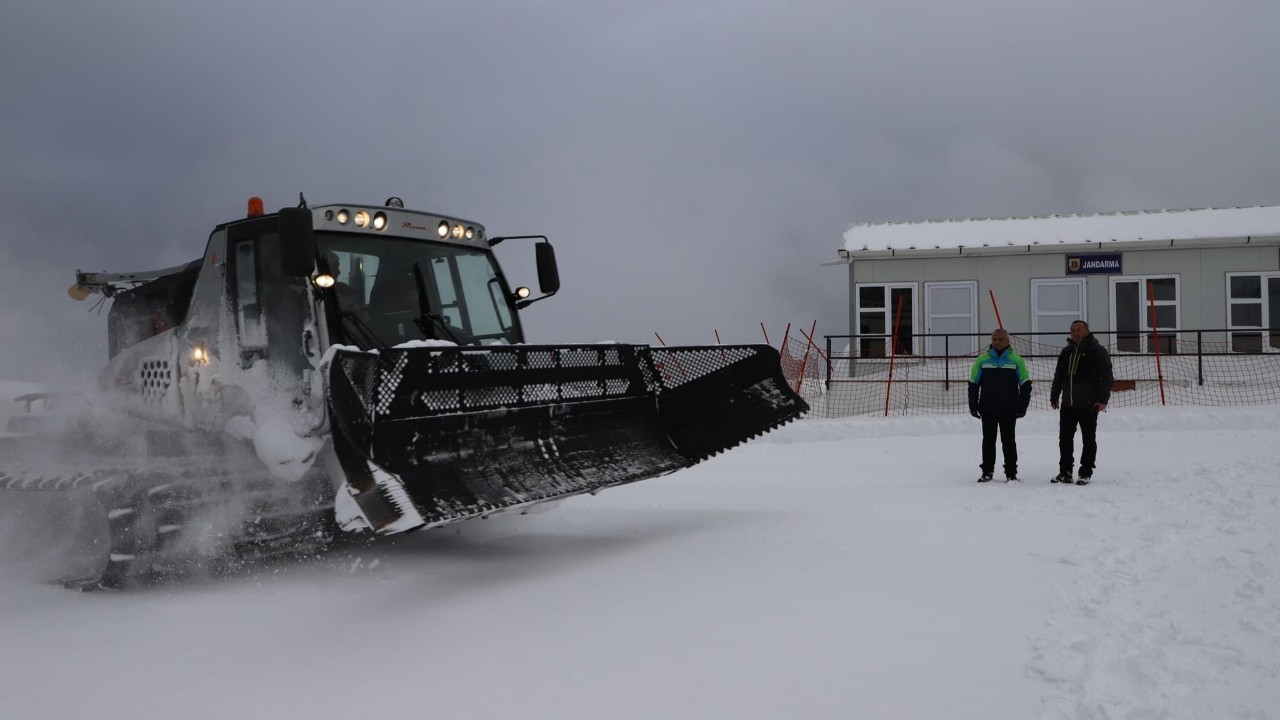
x=364 y=367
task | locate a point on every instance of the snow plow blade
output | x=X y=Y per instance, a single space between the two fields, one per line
x=433 y=435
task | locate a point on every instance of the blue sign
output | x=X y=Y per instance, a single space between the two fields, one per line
x=1100 y=264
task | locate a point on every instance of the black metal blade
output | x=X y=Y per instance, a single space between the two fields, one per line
x=470 y=431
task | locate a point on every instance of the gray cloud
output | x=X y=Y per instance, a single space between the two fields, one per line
x=693 y=161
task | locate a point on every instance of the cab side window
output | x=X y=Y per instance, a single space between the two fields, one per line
x=248 y=303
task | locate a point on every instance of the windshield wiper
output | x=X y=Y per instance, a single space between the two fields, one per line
x=428 y=318
x=350 y=325
x=360 y=332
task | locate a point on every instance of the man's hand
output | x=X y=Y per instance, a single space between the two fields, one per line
x=1022 y=412
x=976 y=414
x=1054 y=404
x=1100 y=407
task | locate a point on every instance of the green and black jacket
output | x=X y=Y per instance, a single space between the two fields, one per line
x=999 y=383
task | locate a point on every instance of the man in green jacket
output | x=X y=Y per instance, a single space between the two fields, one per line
x=1083 y=380
x=999 y=392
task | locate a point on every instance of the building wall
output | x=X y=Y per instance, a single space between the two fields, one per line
x=1202 y=276
x=1214 y=267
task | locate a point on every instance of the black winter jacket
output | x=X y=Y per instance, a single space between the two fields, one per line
x=1083 y=375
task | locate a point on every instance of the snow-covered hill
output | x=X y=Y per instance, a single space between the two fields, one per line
x=834 y=569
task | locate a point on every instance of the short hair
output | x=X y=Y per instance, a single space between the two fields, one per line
x=999 y=331
x=1085 y=324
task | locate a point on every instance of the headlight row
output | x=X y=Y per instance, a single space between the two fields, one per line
x=458 y=232
x=361 y=218
x=378 y=221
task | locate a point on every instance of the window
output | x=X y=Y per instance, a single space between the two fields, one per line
x=1137 y=301
x=481 y=306
x=1253 y=304
x=467 y=300
x=1055 y=304
x=357 y=269
x=878 y=306
x=252 y=331
x=951 y=312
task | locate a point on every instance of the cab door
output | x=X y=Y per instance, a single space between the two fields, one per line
x=272 y=312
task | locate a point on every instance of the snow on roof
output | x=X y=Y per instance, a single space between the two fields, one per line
x=1128 y=226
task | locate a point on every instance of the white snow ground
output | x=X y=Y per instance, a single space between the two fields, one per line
x=833 y=569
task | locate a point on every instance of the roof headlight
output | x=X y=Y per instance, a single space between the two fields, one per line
x=380 y=221
x=443 y=229
x=457 y=232
x=362 y=219
x=470 y=233
x=343 y=216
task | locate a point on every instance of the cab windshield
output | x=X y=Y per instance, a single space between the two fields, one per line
x=378 y=301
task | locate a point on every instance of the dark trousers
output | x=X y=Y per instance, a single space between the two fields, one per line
x=1008 y=443
x=1087 y=419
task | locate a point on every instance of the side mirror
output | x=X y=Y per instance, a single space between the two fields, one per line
x=548 y=273
x=298 y=242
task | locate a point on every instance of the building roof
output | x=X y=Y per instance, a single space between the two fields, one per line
x=1052 y=230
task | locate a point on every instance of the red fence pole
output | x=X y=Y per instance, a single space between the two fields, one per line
x=893 y=353
x=804 y=362
x=1155 y=336
x=813 y=344
x=677 y=362
x=999 y=322
x=765 y=333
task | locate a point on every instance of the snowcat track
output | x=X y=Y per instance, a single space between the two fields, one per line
x=172 y=519
x=429 y=436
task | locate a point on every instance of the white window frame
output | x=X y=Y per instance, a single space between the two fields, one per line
x=1036 y=312
x=1267 y=321
x=1144 y=316
x=935 y=346
x=888 y=311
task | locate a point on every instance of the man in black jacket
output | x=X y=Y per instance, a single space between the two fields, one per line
x=999 y=392
x=1082 y=380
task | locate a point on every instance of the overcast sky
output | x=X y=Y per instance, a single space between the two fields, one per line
x=694 y=162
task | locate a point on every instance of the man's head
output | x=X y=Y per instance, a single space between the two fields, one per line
x=1000 y=340
x=334 y=268
x=1079 y=331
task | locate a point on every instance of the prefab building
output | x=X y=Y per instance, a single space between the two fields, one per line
x=943 y=282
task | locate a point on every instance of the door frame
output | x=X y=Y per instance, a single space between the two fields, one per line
x=937 y=343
